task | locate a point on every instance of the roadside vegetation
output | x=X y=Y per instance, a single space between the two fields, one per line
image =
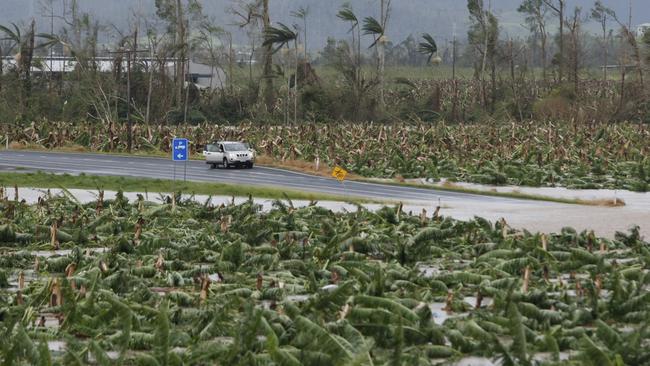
x=191 y=283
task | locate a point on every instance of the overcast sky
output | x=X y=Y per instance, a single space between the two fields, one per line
x=438 y=17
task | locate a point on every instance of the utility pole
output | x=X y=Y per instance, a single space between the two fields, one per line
x=129 y=132
x=129 y=53
x=453 y=53
x=51 y=16
x=269 y=92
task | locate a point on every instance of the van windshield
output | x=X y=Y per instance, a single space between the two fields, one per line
x=235 y=146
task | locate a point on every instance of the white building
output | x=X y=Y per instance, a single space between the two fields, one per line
x=202 y=76
x=57 y=65
x=641 y=29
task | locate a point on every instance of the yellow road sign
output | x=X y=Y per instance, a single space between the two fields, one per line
x=339 y=173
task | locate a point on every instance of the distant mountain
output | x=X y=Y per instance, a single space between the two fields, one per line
x=438 y=17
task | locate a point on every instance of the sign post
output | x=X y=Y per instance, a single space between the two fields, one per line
x=180 y=152
x=340 y=174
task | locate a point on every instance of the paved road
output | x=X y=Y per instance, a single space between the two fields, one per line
x=198 y=171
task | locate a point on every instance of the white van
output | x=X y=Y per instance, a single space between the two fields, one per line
x=229 y=154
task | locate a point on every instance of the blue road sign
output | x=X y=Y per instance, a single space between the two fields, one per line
x=180 y=150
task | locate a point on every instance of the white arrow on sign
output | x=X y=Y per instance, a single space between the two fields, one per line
x=179 y=156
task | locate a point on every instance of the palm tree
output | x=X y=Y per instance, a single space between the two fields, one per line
x=25 y=54
x=428 y=47
x=301 y=13
x=377 y=28
x=347 y=14
x=269 y=93
x=283 y=36
x=13 y=36
x=372 y=26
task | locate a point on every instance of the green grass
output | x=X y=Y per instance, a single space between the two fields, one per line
x=129 y=184
x=329 y=73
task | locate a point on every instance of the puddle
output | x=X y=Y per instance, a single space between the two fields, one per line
x=626 y=261
x=162 y=291
x=428 y=271
x=51 y=253
x=476 y=361
x=47 y=320
x=440 y=315
x=329 y=288
x=549 y=217
x=64 y=252
x=548 y=357
x=541 y=357
x=485 y=302
x=626 y=329
x=297 y=298
x=113 y=355
x=215 y=277
x=224 y=340
x=56 y=346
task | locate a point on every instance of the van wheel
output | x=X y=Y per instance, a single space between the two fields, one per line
x=213 y=166
x=225 y=163
x=249 y=166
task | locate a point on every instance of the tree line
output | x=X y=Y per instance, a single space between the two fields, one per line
x=557 y=70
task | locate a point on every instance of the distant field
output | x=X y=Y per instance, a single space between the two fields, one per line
x=440 y=72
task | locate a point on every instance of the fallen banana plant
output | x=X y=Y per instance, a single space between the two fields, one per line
x=199 y=284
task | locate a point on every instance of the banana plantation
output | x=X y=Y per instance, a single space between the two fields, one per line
x=575 y=155
x=191 y=283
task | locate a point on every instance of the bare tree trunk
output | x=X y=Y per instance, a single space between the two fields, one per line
x=381 y=49
x=544 y=56
x=637 y=51
x=559 y=10
x=230 y=64
x=623 y=62
x=484 y=61
x=27 y=64
x=147 y=117
x=454 y=106
x=295 y=86
x=180 y=66
x=561 y=15
x=304 y=71
x=605 y=50
x=574 y=28
x=187 y=95
x=513 y=79
x=269 y=93
x=493 y=97
x=288 y=99
x=250 y=59
x=1 y=67
x=129 y=123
